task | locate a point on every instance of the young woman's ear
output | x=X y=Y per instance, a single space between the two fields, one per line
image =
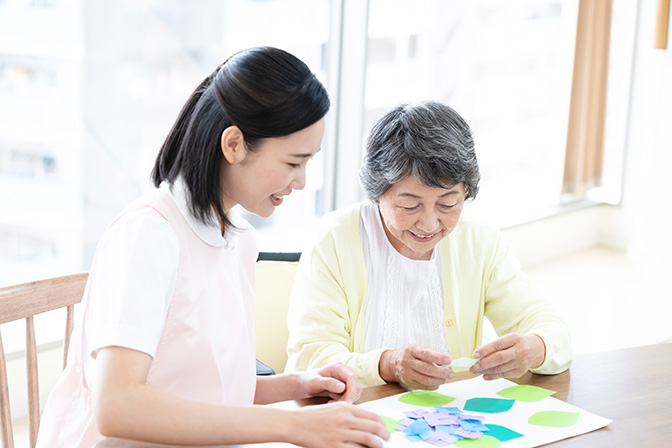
x=233 y=145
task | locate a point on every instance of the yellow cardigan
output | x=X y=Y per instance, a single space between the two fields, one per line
x=480 y=277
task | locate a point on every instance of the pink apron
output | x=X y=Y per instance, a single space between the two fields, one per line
x=206 y=351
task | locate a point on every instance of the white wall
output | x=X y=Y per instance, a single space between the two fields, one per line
x=641 y=225
x=648 y=189
x=565 y=233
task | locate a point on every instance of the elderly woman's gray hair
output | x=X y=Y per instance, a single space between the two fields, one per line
x=429 y=141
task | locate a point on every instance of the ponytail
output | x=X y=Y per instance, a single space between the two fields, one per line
x=170 y=149
x=265 y=92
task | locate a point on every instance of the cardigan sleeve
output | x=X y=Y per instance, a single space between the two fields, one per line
x=514 y=305
x=323 y=309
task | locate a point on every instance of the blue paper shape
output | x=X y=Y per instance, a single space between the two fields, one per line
x=419 y=428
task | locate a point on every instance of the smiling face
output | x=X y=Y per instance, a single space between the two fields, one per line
x=416 y=217
x=260 y=180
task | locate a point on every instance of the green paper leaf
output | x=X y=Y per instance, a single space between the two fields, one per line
x=556 y=419
x=525 y=393
x=390 y=423
x=484 y=441
x=425 y=398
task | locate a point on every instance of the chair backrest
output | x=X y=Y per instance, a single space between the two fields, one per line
x=23 y=302
x=275 y=278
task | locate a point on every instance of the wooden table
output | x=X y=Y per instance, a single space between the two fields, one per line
x=631 y=386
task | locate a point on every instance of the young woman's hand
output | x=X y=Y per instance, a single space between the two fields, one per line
x=339 y=425
x=510 y=356
x=336 y=381
x=415 y=366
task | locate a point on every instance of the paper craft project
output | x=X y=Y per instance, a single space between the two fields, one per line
x=506 y=415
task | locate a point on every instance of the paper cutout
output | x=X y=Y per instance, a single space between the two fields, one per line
x=473 y=425
x=488 y=405
x=450 y=410
x=419 y=428
x=416 y=413
x=447 y=429
x=406 y=421
x=484 y=442
x=502 y=433
x=390 y=423
x=463 y=362
x=440 y=419
x=450 y=426
x=461 y=432
x=425 y=398
x=525 y=392
x=440 y=439
x=558 y=419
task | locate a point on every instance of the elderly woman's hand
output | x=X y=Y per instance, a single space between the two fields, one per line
x=510 y=356
x=415 y=366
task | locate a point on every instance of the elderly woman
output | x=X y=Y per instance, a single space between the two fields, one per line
x=397 y=287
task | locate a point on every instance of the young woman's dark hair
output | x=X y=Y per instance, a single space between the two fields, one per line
x=264 y=91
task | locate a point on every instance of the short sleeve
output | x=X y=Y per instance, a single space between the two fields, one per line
x=132 y=283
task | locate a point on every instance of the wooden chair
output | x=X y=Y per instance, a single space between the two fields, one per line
x=23 y=302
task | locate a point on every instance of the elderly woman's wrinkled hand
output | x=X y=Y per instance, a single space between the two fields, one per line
x=416 y=367
x=510 y=356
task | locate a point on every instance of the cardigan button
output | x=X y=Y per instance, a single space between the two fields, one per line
x=449 y=323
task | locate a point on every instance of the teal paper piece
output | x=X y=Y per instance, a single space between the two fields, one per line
x=488 y=405
x=502 y=433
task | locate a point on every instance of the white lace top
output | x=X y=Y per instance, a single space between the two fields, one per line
x=403 y=303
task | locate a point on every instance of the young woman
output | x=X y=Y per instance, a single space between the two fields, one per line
x=165 y=352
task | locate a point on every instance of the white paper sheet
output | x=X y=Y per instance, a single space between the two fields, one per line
x=516 y=418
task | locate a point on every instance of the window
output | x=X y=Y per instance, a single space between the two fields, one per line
x=505 y=67
x=89 y=90
x=85 y=107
